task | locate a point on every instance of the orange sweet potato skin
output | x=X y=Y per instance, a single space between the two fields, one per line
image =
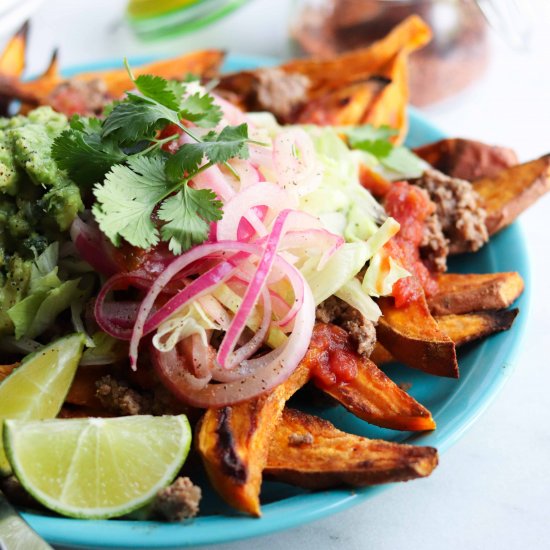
x=368 y=85
x=310 y=452
x=6 y=370
x=467 y=159
x=506 y=195
x=370 y=395
x=375 y=398
x=12 y=59
x=36 y=92
x=233 y=443
x=413 y=337
x=458 y=293
x=461 y=329
x=473 y=326
x=348 y=105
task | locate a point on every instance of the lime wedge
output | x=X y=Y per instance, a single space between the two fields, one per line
x=37 y=388
x=97 y=467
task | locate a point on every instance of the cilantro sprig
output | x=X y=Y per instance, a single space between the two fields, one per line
x=142 y=193
x=376 y=142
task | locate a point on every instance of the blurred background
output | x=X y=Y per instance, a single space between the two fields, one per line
x=490 y=83
x=490 y=73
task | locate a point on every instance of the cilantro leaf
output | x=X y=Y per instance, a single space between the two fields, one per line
x=218 y=148
x=85 y=156
x=231 y=142
x=88 y=125
x=368 y=132
x=159 y=90
x=137 y=119
x=127 y=198
x=188 y=213
x=371 y=139
x=201 y=110
x=374 y=141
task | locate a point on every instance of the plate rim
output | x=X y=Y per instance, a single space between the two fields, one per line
x=70 y=532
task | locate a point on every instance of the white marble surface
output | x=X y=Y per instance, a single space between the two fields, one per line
x=492 y=490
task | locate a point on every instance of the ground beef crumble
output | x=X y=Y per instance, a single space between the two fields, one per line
x=118 y=397
x=178 y=501
x=280 y=92
x=434 y=247
x=461 y=216
x=336 y=311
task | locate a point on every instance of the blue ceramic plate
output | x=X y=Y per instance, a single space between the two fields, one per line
x=455 y=404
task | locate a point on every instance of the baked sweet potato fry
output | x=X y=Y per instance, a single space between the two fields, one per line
x=370 y=395
x=390 y=108
x=464 y=293
x=461 y=329
x=204 y=63
x=473 y=326
x=467 y=159
x=234 y=442
x=6 y=370
x=310 y=452
x=331 y=73
x=35 y=92
x=83 y=388
x=340 y=88
x=510 y=192
x=413 y=337
x=12 y=59
x=349 y=105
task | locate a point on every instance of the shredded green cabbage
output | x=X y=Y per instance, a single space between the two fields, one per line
x=376 y=282
x=47 y=296
x=340 y=202
x=355 y=296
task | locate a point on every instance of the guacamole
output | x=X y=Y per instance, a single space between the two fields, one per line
x=38 y=201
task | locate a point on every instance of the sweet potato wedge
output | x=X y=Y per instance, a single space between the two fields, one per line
x=473 y=326
x=390 y=108
x=370 y=395
x=36 y=92
x=349 y=105
x=380 y=355
x=467 y=159
x=6 y=370
x=83 y=388
x=233 y=442
x=464 y=293
x=204 y=63
x=310 y=452
x=12 y=59
x=413 y=337
x=331 y=73
x=506 y=195
x=461 y=329
x=339 y=88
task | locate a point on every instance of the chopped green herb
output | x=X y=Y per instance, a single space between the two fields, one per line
x=375 y=141
x=142 y=194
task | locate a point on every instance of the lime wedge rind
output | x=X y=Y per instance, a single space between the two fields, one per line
x=38 y=387
x=16 y=430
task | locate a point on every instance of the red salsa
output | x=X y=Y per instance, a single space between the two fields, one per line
x=410 y=206
x=335 y=359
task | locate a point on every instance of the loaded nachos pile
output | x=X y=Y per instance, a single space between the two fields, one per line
x=178 y=250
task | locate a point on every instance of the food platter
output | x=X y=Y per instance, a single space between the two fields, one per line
x=455 y=405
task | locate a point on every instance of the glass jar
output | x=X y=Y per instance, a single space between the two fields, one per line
x=457 y=55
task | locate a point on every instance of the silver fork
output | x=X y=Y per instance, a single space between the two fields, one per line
x=15 y=533
x=510 y=19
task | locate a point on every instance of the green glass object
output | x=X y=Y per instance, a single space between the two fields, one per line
x=156 y=19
